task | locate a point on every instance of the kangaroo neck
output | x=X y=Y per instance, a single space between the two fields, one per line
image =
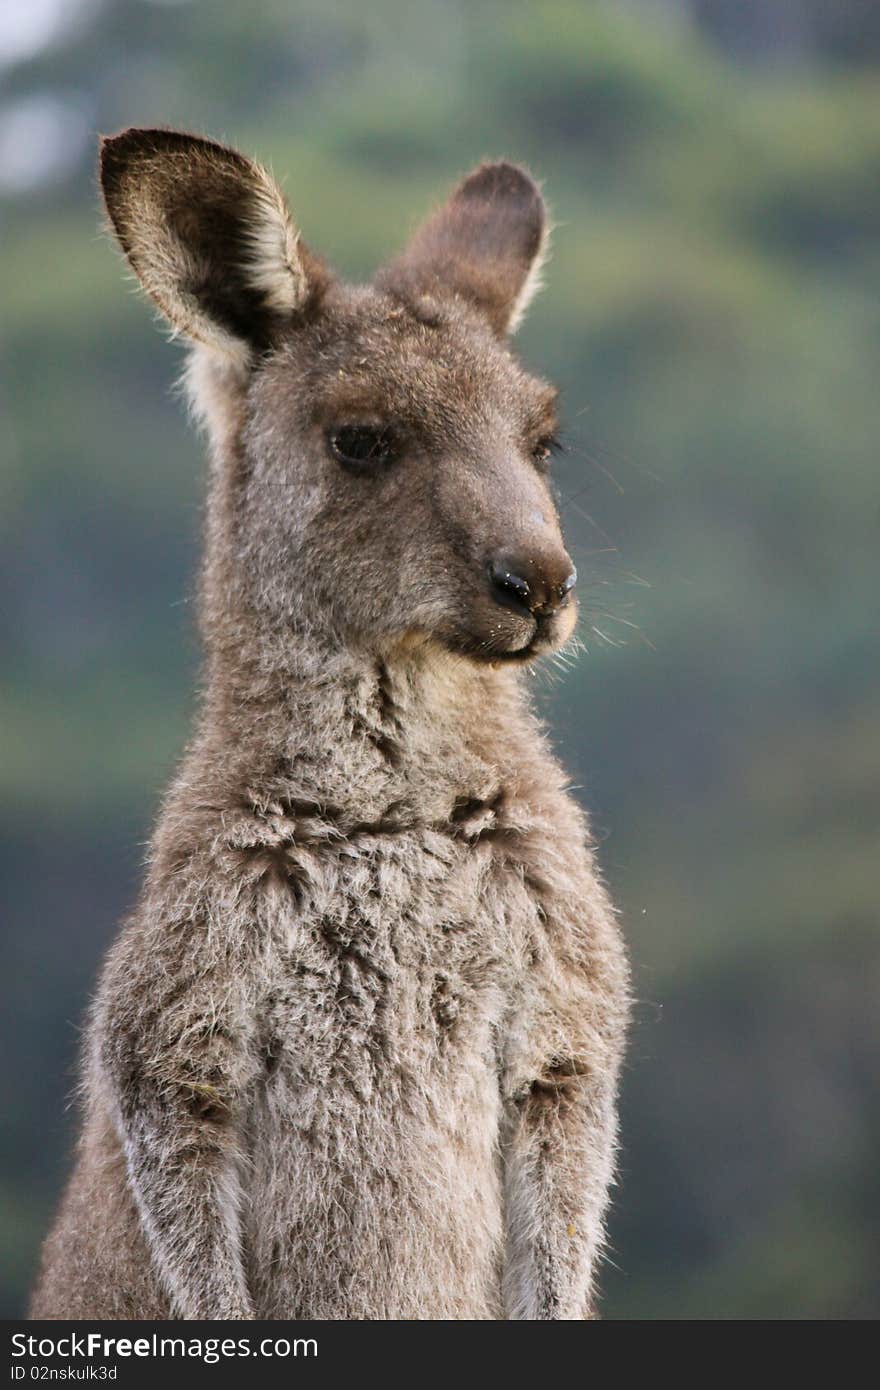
x=414 y=725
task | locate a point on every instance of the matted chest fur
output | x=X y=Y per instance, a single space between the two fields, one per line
x=384 y=1046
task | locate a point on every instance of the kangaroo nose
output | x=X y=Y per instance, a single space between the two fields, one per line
x=533 y=587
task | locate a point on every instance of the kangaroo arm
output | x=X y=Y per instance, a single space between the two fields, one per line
x=178 y=1066
x=561 y=1121
x=185 y=1178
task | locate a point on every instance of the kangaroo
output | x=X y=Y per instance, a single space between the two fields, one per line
x=355 y=1054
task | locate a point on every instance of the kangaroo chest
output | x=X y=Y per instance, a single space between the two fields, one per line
x=402 y=962
x=383 y=1036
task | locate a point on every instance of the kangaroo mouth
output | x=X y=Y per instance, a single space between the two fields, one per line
x=533 y=638
x=541 y=642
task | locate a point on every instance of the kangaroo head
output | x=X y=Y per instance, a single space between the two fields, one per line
x=384 y=455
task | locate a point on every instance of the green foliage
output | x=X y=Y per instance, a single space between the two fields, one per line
x=711 y=314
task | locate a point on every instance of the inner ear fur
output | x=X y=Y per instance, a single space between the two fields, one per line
x=210 y=237
x=486 y=244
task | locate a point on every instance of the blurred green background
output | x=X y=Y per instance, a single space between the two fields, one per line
x=712 y=317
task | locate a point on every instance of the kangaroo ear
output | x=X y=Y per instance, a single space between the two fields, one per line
x=486 y=244
x=209 y=236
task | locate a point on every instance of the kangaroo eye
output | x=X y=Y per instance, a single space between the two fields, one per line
x=363 y=447
x=543 y=451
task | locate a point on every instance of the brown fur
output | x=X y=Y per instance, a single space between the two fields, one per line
x=355 y=1054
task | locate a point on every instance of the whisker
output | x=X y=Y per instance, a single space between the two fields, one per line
x=591 y=519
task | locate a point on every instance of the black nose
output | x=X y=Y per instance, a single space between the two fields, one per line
x=534 y=587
